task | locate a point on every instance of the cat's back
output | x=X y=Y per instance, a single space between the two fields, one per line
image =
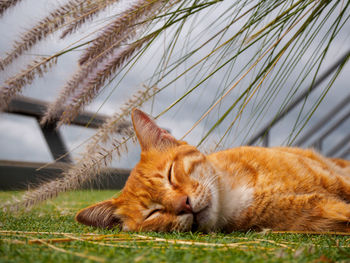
x=268 y=166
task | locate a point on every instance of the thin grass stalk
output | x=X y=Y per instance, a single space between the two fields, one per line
x=244 y=28
x=245 y=102
x=317 y=104
x=336 y=25
x=276 y=19
x=76 y=254
x=277 y=82
x=299 y=31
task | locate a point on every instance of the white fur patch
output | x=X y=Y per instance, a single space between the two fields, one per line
x=235 y=201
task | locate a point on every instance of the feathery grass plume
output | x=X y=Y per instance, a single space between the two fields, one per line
x=85 y=171
x=87 y=15
x=14 y=85
x=98 y=154
x=98 y=78
x=120 y=28
x=120 y=33
x=46 y=26
x=6 y=4
x=54 y=110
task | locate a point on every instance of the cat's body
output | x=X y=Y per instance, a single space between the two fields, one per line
x=176 y=187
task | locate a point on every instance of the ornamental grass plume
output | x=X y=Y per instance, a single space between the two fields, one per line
x=76 y=83
x=98 y=154
x=96 y=80
x=6 y=4
x=14 y=85
x=87 y=14
x=73 y=15
x=43 y=28
x=64 y=14
x=87 y=170
x=103 y=58
x=134 y=16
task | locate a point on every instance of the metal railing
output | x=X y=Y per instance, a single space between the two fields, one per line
x=20 y=175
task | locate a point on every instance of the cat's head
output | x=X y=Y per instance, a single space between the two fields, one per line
x=172 y=188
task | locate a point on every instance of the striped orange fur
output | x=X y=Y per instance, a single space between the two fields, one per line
x=175 y=187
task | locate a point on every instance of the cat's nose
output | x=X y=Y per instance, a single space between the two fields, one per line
x=184 y=206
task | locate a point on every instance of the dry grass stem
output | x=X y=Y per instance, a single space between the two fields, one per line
x=13 y=241
x=17 y=232
x=138 y=241
x=81 y=255
x=194 y=243
x=145 y=241
x=101 y=243
x=52 y=240
x=310 y=233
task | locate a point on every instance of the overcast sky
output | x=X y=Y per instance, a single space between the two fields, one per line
x=21 y=138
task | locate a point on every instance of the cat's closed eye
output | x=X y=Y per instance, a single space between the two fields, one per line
x=152 y=213
x=170 y=174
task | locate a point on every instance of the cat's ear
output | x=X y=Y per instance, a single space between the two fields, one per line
x=102 y=215
x=149 y=134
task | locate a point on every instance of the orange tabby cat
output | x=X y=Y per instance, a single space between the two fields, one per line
x=175 y=187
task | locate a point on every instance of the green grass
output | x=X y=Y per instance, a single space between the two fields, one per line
x=57 y=218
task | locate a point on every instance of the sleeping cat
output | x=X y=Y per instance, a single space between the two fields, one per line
x=175 y=187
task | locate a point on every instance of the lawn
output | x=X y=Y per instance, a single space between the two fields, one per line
x=50 y=234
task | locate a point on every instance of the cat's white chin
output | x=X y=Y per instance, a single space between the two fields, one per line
x=206 y=218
